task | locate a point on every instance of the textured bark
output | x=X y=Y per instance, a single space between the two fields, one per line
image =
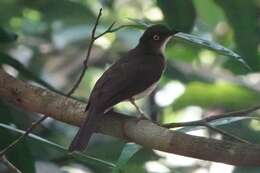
x=36 y=99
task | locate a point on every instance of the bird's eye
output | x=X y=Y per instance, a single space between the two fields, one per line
x=156 y=37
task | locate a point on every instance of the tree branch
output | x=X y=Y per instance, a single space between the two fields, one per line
x=143 y=132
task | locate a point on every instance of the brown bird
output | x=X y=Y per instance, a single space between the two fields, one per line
x=133 y=76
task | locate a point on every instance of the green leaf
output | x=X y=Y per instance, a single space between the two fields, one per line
x=127 y=153
x=178 y=14
x=244 y=18
x=192 y=39
x=18 y=159
x=7 y=36
x=6 y=138
x=24 y=152
x=76 y=155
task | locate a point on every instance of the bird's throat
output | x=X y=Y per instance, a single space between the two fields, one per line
x=164 y=44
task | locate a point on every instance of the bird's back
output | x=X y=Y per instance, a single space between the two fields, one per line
x=129 y=76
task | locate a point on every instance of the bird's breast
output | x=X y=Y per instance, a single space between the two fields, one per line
x=146 y=92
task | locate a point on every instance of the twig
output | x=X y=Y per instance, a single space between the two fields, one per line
x=85 y=63
x=5 y=150
x=9 y=165
x=205 y=122
x=110 y=29
x=240 y=113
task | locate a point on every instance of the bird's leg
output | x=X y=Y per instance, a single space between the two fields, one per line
x=141 y=114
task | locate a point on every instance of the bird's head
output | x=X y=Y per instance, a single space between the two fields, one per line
x=156 y=37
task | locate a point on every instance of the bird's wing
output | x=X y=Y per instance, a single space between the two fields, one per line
x=123 y=80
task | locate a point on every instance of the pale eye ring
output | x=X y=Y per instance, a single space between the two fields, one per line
x=156 y=37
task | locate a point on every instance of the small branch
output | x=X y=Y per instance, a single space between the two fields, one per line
x=240 y=113
x=9 y=165
x=10 y=146
x=206 y=122
x=85 y=63
x=110 y=29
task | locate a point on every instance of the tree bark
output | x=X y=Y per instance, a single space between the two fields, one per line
x=144 y=132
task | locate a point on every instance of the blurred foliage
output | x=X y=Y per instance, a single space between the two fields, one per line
x=222 y=95
x=7 y=36
x=7 y=137
x=127 y=153
x=176 y=17
x=45 y=41
x=246 y=29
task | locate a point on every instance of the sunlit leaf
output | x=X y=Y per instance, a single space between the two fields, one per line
x=211 y=45
x=127 y=153
x=60 y=148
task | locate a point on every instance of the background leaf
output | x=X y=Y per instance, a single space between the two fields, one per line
x=243 y=17
x=6 y=59
x=7 y=137
x=192 y=39
x=178 y=14
x=6 y=36
x=127 y=153
x=79 y=156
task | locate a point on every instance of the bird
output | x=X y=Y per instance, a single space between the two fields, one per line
x=133 y=76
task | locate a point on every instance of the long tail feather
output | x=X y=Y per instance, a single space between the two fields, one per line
x=85 y=132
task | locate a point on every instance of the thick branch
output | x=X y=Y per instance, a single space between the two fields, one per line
x=143 y=132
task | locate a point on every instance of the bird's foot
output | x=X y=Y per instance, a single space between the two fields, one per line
x=142 y=116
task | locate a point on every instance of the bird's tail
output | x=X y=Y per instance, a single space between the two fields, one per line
x=86 y=130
